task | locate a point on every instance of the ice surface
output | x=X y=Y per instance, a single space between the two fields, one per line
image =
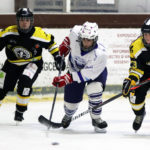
x=31 y=135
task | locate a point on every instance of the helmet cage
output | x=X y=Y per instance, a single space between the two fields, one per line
x=145 y=29
x=24 y=13
x=88 y=31
x=89 y=48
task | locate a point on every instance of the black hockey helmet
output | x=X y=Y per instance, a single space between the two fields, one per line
x=146 y=29
x=146 y=26
x=24 y=13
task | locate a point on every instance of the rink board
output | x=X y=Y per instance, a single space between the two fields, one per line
x=50 y=97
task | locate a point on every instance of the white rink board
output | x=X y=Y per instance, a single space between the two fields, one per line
x=117 y=43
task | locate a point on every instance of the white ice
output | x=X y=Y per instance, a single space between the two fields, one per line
x=31 y=135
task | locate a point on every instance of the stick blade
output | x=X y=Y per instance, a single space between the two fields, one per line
x=48 y=123
x=44 y=121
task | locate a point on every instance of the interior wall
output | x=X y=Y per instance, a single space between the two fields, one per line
x=134 y=6
x=7 y=6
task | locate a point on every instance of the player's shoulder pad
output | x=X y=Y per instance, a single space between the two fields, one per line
x=9 y=30
x=101 y=51
x=76 y=29
x=41 y=35
x=136 y=47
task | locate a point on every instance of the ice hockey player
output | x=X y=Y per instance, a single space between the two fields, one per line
x=87 y=68
x=23 y=44
x=139 y=71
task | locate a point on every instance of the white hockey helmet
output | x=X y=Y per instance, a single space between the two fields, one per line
x=88 y=30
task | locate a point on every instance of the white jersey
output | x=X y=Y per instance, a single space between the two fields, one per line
x=84 y=67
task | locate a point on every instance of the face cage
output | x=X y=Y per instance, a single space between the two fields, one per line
x=145 y=44
x=30 y=27
x=89 y=48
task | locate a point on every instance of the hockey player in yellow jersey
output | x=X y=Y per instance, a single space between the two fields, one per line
x=138 y=72
x=23 y=45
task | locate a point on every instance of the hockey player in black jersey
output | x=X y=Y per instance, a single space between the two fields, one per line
x=138 y=72
x=23 y=45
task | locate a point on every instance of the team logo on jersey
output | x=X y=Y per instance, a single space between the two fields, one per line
x=22 y=53
x=79 y=62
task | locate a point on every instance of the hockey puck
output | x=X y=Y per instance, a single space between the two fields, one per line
x=55 y=143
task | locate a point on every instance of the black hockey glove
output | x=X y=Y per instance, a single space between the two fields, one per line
x=127 y=84
x=58 y=60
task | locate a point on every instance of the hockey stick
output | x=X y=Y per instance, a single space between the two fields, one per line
x=54 y=99
x=58 y=125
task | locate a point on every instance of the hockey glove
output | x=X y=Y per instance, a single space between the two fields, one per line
x=64 y=47
x=58 y=60
x=127 y=84
x=62 y=80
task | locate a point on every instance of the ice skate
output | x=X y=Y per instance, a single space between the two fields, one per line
x=66 y=121
x=99 y=125
x=18 y=117
x=138 y=121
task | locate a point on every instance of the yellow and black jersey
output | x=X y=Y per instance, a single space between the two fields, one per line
x=23 y=48
x=140 y=59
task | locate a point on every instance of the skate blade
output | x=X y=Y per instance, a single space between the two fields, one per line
x=18 y=123
x=135 y=131
x=98 y=130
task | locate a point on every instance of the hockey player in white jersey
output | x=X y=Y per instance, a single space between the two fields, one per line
x=87 y=68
